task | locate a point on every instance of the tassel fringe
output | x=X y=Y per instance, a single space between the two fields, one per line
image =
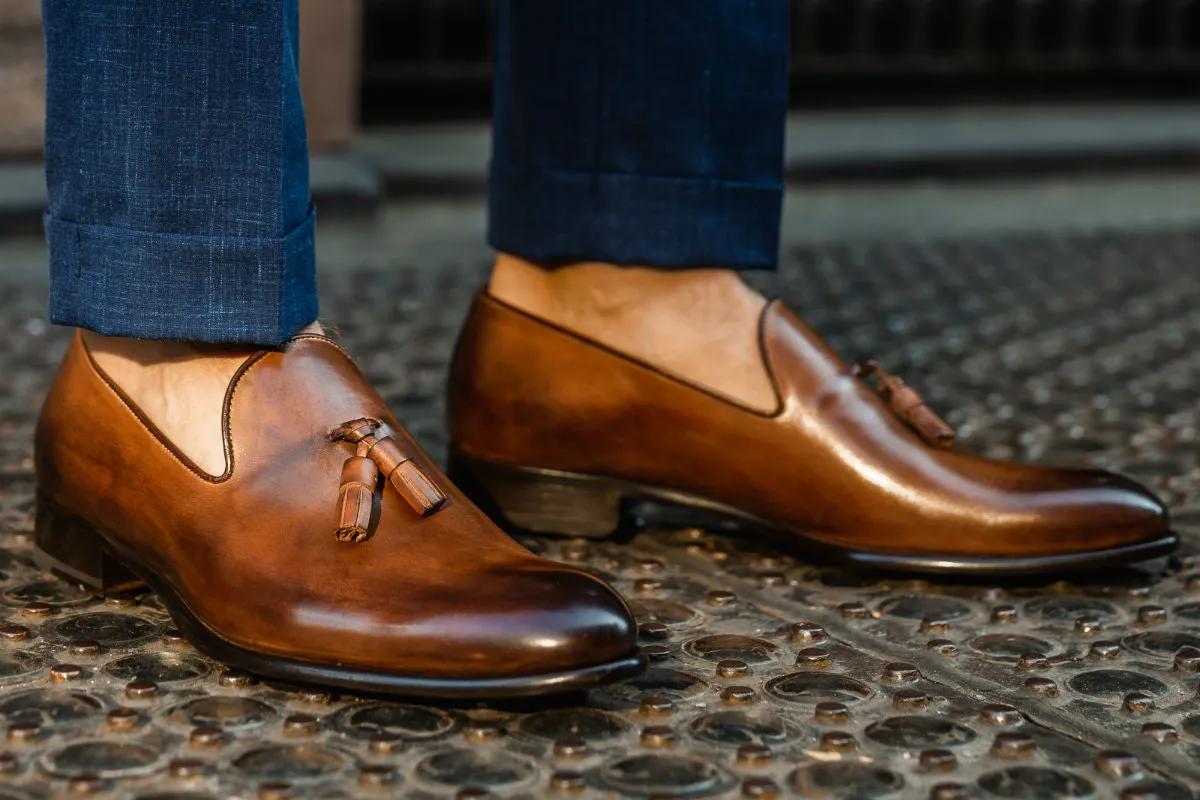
x=360 y=475
x=907 y=404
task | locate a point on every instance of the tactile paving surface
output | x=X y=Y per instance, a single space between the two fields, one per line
x=771 y=677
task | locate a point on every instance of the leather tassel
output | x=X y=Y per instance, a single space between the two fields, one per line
x=909 y=406
x=356 y=497
x=421 y=493
x=932 y=427
x=355 y=430
x=360 y=474
x=418 y=490
x=906 y=404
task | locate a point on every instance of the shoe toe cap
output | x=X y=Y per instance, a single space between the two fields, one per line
x=566 y=619
x=1095 y=509
x=535 y=618
x=1123 y=504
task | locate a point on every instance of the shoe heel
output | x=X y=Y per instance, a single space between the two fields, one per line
x=540 y=501
x=71 y=548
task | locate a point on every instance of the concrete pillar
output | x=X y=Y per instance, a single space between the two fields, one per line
x=330 y=33
x=330 y=63
x=22 y=80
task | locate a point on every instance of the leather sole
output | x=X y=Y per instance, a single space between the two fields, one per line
x=72 y=548
x=543 y=501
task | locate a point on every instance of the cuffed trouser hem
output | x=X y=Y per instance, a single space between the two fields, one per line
x=227 y=289
x=562 y=216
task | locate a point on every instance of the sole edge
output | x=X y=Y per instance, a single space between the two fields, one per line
x=210 y=643
x=467 y=468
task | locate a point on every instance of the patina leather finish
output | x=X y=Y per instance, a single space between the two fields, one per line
x=251 y=558
x=834 y=464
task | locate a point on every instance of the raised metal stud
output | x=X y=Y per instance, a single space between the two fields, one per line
x=1013 y=745
x=813 y=657
x=1161 y=732
x=377 y=776
x=658 y=736
x=753 y=755
x=938 y=760
x=809 y=632
x=838 y=741
x=901 y=672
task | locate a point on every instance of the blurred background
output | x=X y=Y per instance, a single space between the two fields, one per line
x=397 y=93
x=845 y=53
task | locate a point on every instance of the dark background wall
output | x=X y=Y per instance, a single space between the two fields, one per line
x=429 y=58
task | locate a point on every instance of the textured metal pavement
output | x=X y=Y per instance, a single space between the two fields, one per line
x=772 y=677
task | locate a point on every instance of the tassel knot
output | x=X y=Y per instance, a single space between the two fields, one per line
x=906 y=404
x=375 y=456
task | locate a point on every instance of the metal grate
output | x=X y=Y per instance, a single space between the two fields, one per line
x=436 y=52
x=772 y=677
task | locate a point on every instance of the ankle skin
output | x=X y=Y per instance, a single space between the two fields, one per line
x=179 y=386
x=699 y=324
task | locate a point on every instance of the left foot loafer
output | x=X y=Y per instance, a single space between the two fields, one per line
x=332 y=550
x=555 y=433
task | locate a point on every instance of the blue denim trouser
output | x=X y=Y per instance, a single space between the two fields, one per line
x=626 y=131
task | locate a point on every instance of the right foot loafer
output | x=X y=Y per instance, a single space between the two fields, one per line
x=555 y=433
x=331 y=550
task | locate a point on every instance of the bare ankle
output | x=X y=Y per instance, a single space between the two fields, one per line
x=701 y=324
x=147 y=352
x=179 y=386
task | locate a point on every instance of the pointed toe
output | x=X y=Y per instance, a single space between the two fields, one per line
x=566 y=620
x=1137 y=509
x=1114 y=508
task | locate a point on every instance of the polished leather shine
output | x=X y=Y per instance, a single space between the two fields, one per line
x=252 y=556
x=832 y=462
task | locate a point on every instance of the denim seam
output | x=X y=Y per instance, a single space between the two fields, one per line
x=88 y=291
x=284 y=39
x=50 y=218
x=78 y=253
x=565 y=215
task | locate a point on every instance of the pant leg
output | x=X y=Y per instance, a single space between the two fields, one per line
x=177 y=169
x=635 y=132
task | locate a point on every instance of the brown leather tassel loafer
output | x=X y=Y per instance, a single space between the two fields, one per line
x=331 y=550
x=557 y=433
